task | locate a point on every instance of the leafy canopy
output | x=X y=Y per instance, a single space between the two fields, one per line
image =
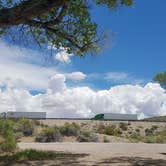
x=161 y=79
x=61 y=23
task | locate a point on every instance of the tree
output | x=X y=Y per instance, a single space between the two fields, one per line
x=61 y=23
x=161 y=79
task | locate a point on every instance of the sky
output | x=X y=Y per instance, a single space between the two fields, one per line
x=116 y=80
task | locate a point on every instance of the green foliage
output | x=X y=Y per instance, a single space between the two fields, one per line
x=26 y=126
x=135 y=137
x=157 y=119
x=108 y=130
x=114 y=3
x=86 y=136
x=34 y=155
x=8 y=143
x=70 y=129
x=161 y=79
x=68 y=25
x=157 y=137
x=49 y=134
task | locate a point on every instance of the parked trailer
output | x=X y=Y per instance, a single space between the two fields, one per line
x=30 y=115
x=114 y=116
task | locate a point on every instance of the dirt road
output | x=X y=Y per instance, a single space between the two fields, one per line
x=116 y=154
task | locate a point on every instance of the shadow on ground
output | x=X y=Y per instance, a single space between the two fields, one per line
x=74 y=160
x=132 y=161
x=66 y=159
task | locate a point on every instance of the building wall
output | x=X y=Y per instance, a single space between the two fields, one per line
x=120 y=116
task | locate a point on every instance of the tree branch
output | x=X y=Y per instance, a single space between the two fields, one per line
x=27 y=10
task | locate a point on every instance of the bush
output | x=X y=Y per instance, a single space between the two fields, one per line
x=136 y=137
x=51 y=134
x=149 y=132
x=86 y=136
x=8 y=140
x=70 y=129
x=26 y=126
x=108 y=130
x=123 y=126
x=105 y=139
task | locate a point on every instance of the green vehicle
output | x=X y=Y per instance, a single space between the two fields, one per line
x=98 y=117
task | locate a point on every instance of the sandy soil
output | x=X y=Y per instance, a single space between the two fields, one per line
x=116 y=154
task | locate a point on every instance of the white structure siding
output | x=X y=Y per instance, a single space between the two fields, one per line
x=31 y=115
x=111 y=116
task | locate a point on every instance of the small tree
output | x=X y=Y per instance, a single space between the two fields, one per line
x=161 y=79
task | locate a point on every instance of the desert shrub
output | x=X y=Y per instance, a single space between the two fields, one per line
x=86 y=136
x=100 y=129
x=105 y=139
x=135 y=137
x=26 y=126
x=154 y=127
x=149 y=132
x=70 y=129
x=50 y=134
x=8 y=140
x=137 y=130
x=108 y=130
x=123 y=126
x=37 y=122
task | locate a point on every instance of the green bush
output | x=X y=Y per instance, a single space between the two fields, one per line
x=26 y=126
x=108 y=130
x=135 y=137
x=50 y=134
x=70 y=129
x=8 y=143
x=86 y=136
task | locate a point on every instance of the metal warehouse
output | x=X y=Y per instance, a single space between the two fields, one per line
x=31 y=115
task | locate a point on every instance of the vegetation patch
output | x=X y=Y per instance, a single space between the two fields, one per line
x=34 y=155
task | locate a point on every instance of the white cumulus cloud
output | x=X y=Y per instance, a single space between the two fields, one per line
x=76 y=76
x=63 y=101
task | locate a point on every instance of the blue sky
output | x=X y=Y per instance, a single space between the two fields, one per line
x=117 y=80
x=139 y=41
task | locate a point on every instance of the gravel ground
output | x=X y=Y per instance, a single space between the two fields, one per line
x=114 y=154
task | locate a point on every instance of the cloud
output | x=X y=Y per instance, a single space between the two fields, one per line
x=19 y=68
x=76 y=76
x=63 y=101
x=57 y=83
x=22 y=68
x=63 y=56
x=21 y=71
x=117 y=78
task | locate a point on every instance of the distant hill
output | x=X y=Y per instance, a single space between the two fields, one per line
x=157 y=119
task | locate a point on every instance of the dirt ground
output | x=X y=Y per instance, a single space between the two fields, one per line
x=105 y=154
